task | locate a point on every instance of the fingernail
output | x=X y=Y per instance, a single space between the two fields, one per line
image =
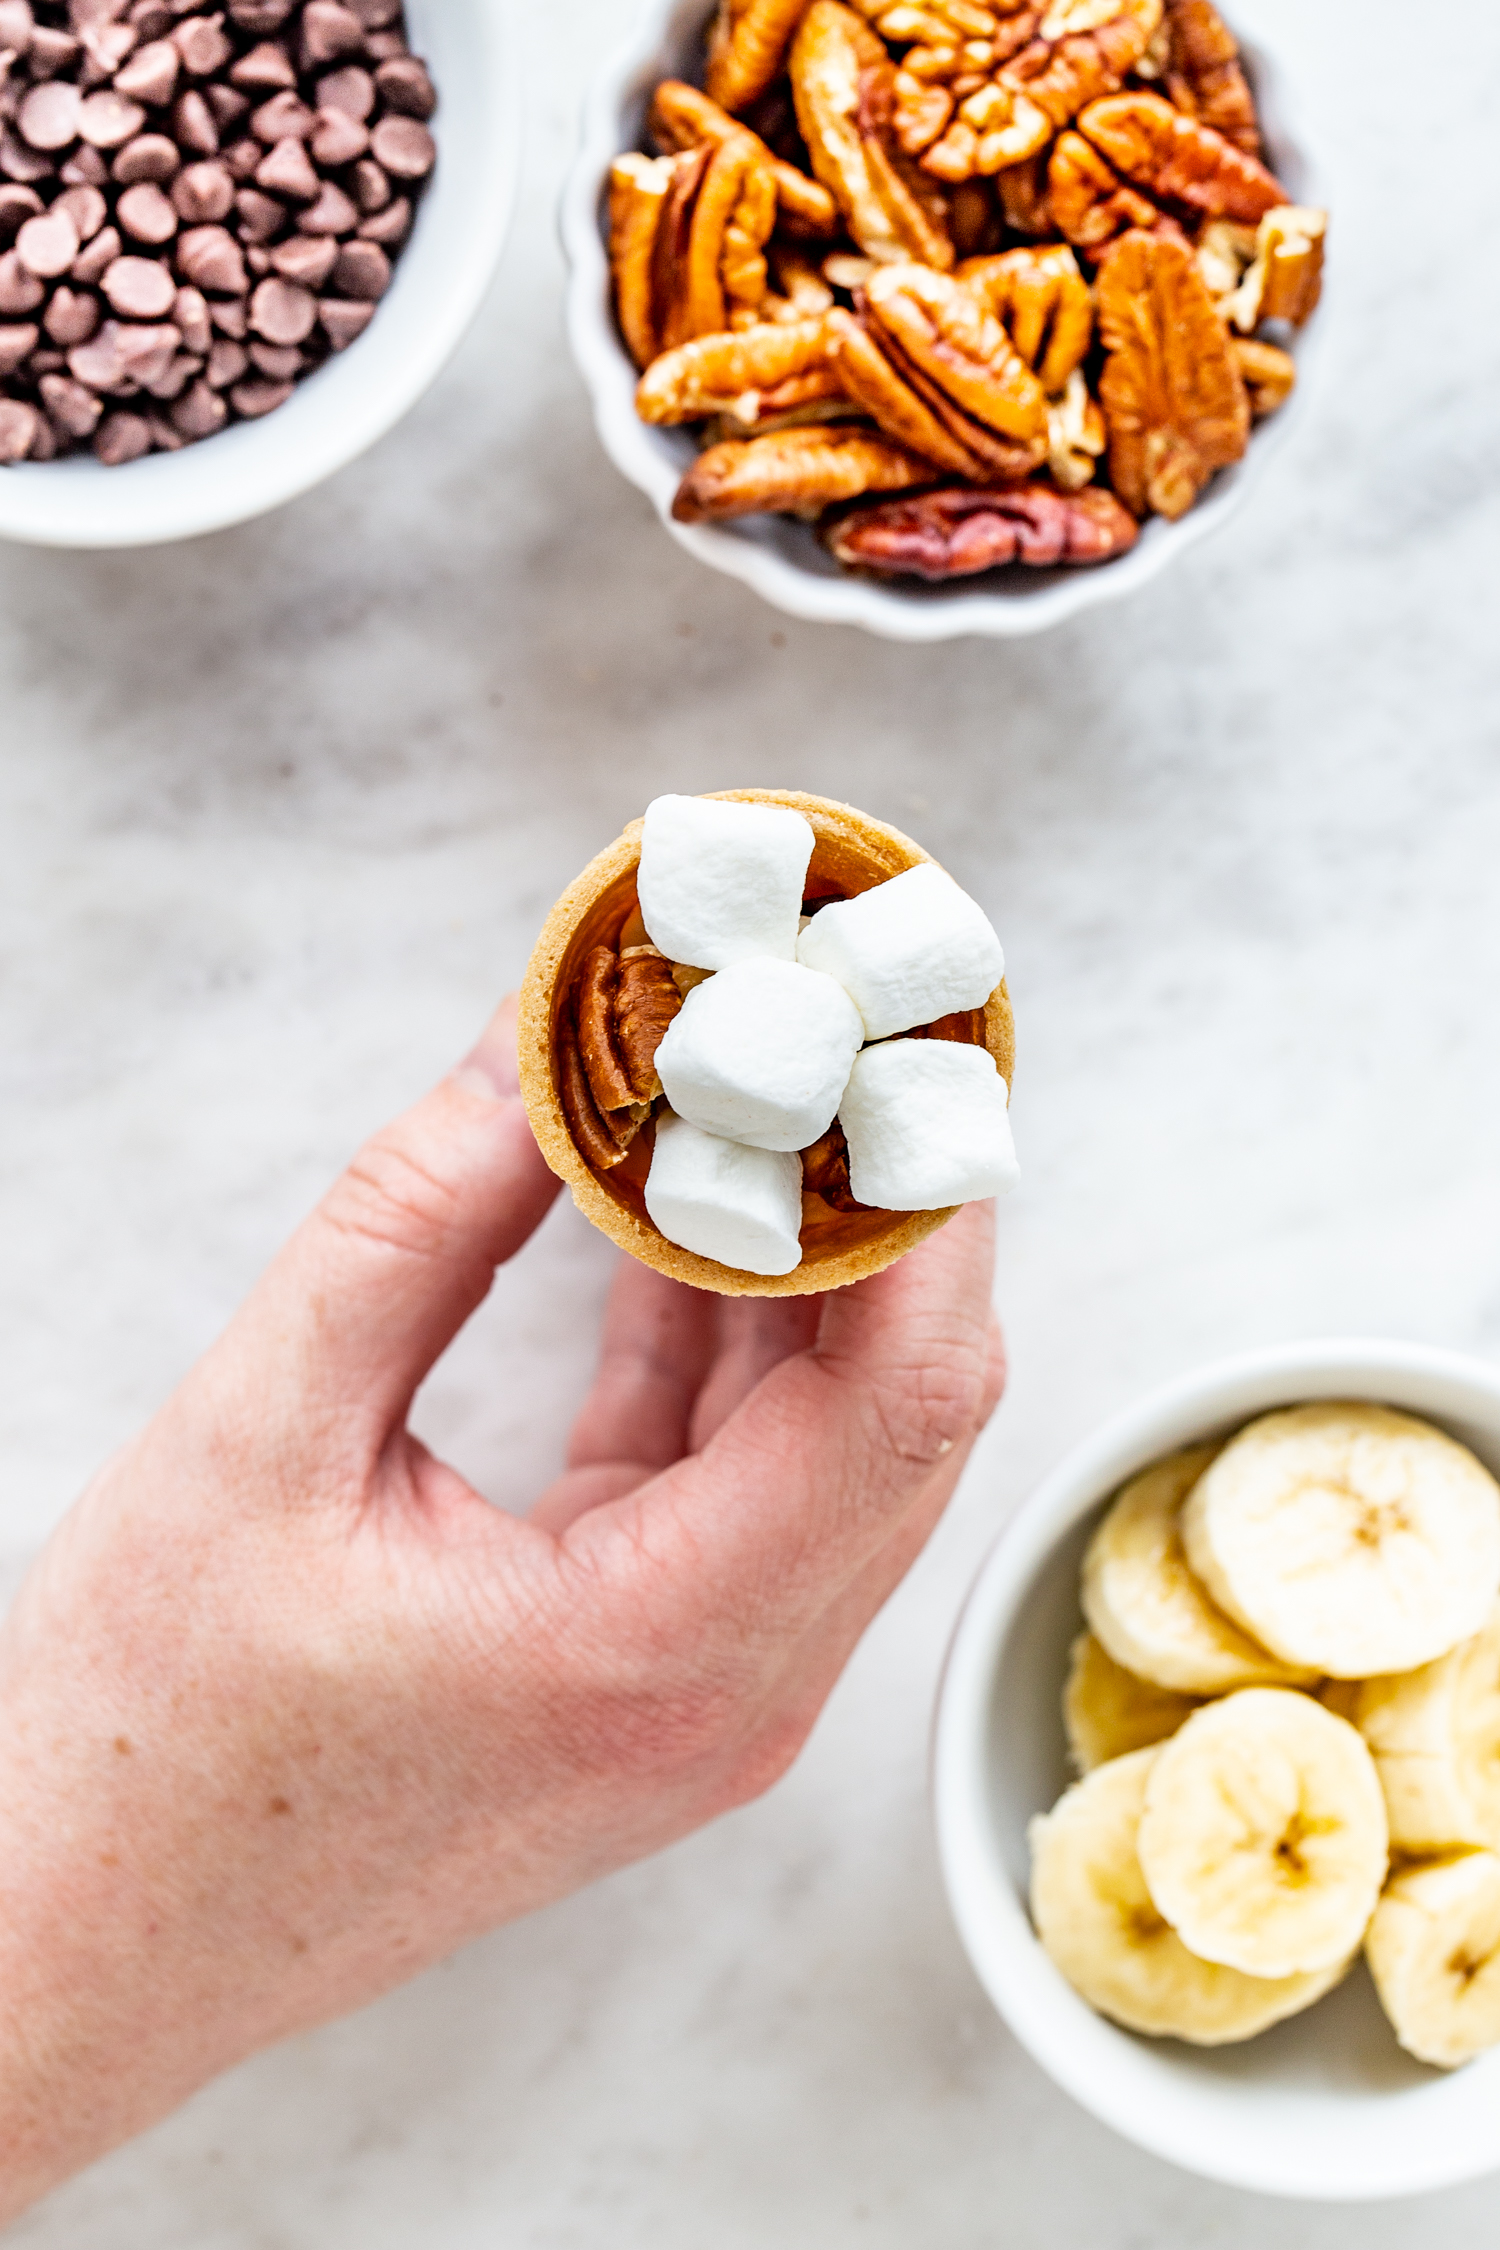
x=492 y=1068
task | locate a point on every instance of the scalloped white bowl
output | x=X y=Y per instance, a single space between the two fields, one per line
x=338 y=413
x=1325 y=2106
x=779 y=557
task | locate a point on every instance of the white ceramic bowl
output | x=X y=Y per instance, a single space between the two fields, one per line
x=1324 y=2106
x=779 y=557
x=440 y=279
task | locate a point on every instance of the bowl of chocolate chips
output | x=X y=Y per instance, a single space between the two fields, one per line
x=237 y=243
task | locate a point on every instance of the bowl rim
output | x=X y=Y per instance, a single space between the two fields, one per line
x=991 y=1916
x=894 y=613
x=178 y=507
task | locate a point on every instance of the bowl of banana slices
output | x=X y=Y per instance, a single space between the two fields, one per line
x=1217 y=1772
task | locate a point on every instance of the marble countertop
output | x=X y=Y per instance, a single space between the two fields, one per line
x=281 y=814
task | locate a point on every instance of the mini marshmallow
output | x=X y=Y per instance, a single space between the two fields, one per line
x=740 y=1205
x=761 y=1053
x=721 y=882
x=907 y=952
x=928 y=1125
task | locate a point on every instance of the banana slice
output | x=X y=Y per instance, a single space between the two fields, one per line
x=1348 y=1538
x=1435 y=1734
x=1094 y=1915
x=1263 y=1841
x=1148 y=1609
x=1109 y=1712
x=1434 y=1952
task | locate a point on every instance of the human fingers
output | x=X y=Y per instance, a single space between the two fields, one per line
x=755 y=1335
x=373 y=1286
x=658 y=1344
x=807 y=1480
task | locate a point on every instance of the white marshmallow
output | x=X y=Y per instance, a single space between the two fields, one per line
x=911 y=950
x=928 y=1125
x=761 y=1053
x=720 y=883
x=742 y=1206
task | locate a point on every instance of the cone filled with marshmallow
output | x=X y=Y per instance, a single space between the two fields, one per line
x=766 y=1041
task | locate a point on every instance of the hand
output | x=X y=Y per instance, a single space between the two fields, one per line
x=288 y=1712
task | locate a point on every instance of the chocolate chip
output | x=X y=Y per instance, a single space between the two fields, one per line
x=96 y=258
x=163 y=437
x=258 y=16
x=18 y=162
x=203 y=194
x=405 y=86
x=72 y=406
x=122 y=438
x=145 y=213
x=363 y=271
x=20 y=291
x=229 y=108
x=308 y=258
x=342 y=321
x=199 y=412
x=242 y=159
x=288 y=171
x=84 y=168
x=71 y=317
x=210 y=258
x=337 y=139
x=193 y=123
x=333 y=213
x=17 y=342
x=328 y=31
x=86 y=208
x=261 y=216
x=376 y=14
x=257 y=397
x=48 y=117
x=151 y=18
x=18 y=429
x=284 y=117
x=139 y=288
x=47 y=246
x=231 y=317
x=151 y=156
x=282 y=312
x=202 y=45
x=108 y=120
x=227 y=362
x=17 y=205
x=51 y=51
x=384 y=46
x=150 y=76
x=282 y=362
x=406 y=149
x=17 y=24
x=266 y=66
x=372 y=190
x=190 y=314
x=175 y=377
x=351 y=90
x=389 y=227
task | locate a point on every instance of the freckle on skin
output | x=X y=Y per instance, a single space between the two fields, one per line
x=122 y=1745
x=299 y=1945
x=276 y=1806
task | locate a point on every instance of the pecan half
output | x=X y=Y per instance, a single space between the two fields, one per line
x=709 y=269
x=1178 y=160
x=844 y=87
x=602 y=1138
x=1171 y=389
x=638 y=189
x=934 y=23
x=646 y=1001
x=622 y=1006
x=747 y=47
x=871 y=380
x=1023 y=195
x=1089 y=202
x=1076 y=58
x=1269 y=374
x=1284 y=279
x=825 y=1171
x=795 y=472
x=1203 y=73
x=955 y=532
x=682 y=118
x=787 y=361
x=1044 y=303
x=594 y=1013
x=956 y=354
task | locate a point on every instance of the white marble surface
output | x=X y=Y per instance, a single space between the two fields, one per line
x=281 y=815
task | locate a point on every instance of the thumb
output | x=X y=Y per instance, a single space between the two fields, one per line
x=349 y=1318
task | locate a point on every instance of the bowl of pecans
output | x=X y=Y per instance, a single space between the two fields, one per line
x=947 y=317
x=235 y=246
